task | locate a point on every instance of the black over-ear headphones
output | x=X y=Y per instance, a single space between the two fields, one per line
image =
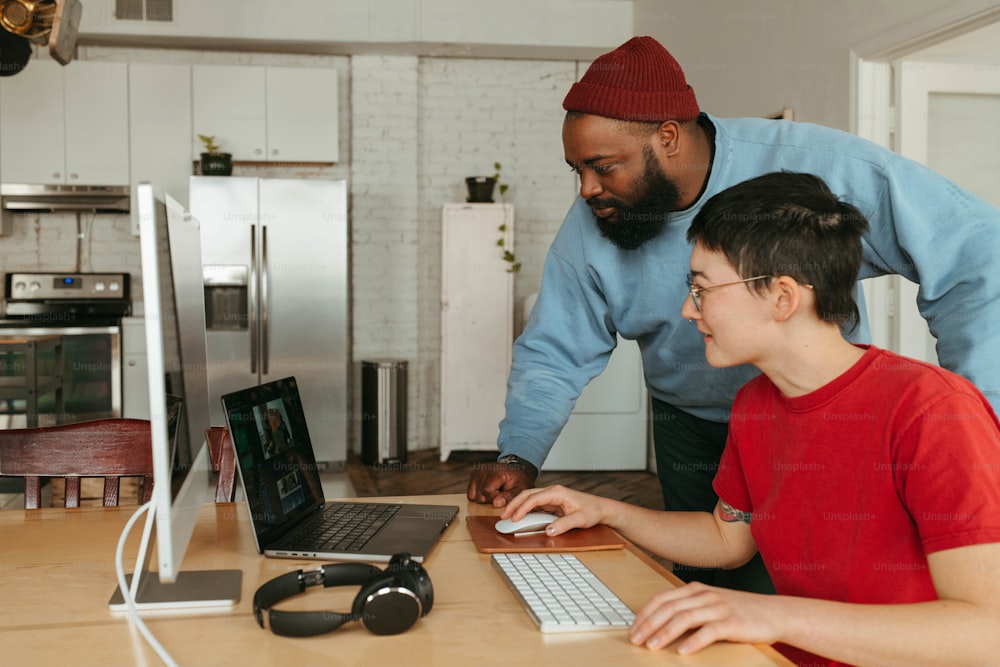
x=390 y=601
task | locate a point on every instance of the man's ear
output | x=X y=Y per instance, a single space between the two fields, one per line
x=668 y=137
x=786 y=294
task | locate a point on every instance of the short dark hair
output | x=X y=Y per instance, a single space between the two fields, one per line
x=789 y=224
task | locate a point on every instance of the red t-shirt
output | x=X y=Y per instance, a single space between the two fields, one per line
x=850 y=486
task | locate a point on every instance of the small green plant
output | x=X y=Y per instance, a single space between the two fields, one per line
x=507 y=253
x=211 y=147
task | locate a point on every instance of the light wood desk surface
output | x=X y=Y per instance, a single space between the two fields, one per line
x=57 y=574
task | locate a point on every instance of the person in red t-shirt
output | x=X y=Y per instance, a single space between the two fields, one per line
x=869 y=482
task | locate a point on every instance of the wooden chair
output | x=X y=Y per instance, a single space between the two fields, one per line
x=108 y=448
x=223 y=463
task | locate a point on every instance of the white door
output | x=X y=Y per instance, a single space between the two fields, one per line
x=948 y=120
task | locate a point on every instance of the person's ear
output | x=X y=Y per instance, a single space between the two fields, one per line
x=786 y=295
x=668 y=137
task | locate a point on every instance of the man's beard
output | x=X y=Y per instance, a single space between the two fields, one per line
x=645 y=218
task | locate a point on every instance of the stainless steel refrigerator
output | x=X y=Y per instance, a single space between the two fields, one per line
x=276 y=273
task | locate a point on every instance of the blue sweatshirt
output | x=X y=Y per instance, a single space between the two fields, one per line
x=923 y=227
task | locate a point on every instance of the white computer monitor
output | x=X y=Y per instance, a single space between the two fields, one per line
x=174 y=310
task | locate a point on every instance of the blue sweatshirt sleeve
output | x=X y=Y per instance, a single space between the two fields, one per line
x=947 y=240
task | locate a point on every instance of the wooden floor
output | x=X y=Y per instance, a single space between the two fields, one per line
x=424 y=474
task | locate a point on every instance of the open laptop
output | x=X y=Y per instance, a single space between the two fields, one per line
x=290 y=516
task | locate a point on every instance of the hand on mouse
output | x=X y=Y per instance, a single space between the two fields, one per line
x=576 y=509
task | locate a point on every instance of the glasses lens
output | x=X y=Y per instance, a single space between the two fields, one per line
x=693 y=291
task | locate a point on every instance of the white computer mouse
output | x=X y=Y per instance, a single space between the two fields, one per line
x=532 y=522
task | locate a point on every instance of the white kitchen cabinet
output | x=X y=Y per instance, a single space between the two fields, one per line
x=277 y=114
x=65 y=125
x=477 y=313
x=160 y=121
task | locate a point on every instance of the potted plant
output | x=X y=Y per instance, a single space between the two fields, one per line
x=481 y=187
x=213 y=161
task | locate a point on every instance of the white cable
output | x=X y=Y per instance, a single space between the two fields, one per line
x=133 y=611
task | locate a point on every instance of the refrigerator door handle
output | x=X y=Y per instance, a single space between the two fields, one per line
x=264 y=270
x=254 y=350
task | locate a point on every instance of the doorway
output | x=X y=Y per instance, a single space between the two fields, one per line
x=938 y=104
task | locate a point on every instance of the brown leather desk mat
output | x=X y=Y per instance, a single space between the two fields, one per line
x=488 y=540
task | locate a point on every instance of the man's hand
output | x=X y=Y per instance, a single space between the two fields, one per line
x=498 y=483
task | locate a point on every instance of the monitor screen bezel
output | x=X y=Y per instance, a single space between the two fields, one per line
x=176 y=503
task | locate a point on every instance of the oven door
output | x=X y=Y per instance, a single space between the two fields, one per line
x=91 y=374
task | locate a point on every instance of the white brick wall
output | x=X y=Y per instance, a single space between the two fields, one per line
x=411 y=130
x=383 y=217
x=474 y=112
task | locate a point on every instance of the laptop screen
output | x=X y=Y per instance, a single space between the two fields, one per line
x=276 y=460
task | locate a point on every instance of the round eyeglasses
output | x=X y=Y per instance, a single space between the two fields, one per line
x=695 y=291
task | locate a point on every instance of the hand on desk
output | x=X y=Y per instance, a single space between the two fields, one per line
x=497 y=483
x=719 y=614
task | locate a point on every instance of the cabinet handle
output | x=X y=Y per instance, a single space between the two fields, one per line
x=73 y=176
x=56 y=174
x=257 y=151
x=274 y=151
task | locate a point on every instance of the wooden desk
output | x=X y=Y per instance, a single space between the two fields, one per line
x=57 y=574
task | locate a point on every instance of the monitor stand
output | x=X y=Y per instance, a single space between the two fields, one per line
x=194 y=591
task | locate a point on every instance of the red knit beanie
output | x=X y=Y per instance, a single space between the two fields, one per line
x=639 y=80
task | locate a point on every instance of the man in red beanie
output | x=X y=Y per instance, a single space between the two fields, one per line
x=648 y=158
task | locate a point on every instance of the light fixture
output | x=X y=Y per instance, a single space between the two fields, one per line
x=52 y=22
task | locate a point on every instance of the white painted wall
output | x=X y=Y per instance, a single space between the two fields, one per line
x=753 y=58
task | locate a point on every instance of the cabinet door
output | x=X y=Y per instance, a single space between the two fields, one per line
x=229 y=104
x=302 y=114
x=476 y=325
x=160 y=121
x=96 y=123
x=31 y=125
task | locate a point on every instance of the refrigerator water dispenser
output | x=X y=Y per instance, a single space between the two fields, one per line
x=226 y=296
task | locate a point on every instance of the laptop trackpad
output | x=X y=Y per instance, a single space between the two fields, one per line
x=405 y=534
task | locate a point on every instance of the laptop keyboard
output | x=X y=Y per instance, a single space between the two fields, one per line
x=345 y=526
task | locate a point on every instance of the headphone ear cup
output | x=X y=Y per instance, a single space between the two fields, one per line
x=420 y=583
x=386 y=605
x=415 y=577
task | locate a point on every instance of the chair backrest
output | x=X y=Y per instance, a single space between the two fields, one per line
x=223 y=463
x=108 y=448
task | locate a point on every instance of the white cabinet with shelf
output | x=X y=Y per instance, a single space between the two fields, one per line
x=65 y=125
x=277 y=114
x=477 y=313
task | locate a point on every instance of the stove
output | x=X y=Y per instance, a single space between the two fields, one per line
x=67 y=298
x=85 y=310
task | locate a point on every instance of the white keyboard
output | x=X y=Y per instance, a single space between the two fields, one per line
x=561 y=594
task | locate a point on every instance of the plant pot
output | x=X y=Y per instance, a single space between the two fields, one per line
x=216 y=164
x=480 y=189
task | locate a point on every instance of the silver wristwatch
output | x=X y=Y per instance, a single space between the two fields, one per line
x=510 y=458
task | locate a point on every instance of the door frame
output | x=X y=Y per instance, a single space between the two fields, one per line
x=874 y=116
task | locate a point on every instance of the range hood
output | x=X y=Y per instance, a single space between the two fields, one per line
x=65 y=198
